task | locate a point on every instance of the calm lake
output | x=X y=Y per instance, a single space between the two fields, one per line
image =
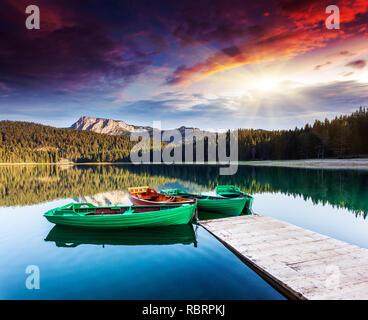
x=178 y=262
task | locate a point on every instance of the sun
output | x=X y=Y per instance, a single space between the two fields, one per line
x=266 y=84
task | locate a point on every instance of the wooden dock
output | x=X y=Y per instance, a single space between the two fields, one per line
x=300 y=263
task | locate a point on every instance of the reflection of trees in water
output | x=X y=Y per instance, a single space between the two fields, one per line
x=22 y=185
x=25 y=185
x=341 y=188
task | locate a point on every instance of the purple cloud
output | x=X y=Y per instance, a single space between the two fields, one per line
x=357 y=64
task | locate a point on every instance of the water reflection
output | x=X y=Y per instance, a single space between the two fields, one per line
x=72 y=237
x=25 y=185
x=105 y=199
x=204 y=215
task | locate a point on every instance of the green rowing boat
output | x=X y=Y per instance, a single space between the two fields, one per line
x=227 y=206
x=230 y=191
x=89 y=216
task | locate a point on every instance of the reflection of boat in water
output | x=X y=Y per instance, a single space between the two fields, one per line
x=64 y=236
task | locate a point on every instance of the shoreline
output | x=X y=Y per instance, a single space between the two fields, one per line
x=357 y=164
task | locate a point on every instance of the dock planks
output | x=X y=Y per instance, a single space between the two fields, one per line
x=300 y=263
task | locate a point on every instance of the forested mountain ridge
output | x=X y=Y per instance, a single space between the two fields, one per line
x=344 y=136
x=31 y=142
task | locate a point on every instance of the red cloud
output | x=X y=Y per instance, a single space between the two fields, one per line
x=298 y=27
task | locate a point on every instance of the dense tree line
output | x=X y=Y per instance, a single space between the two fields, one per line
x=341 y=137
x=344 y=136
x=30 y=142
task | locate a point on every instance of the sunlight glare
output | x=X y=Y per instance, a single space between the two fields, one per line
x=266 y=84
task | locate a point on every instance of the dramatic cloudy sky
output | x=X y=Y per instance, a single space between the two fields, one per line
x=210 y=64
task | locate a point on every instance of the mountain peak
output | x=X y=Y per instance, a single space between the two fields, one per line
x=119 y=127
x=105 y=125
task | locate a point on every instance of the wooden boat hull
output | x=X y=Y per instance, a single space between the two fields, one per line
x=68 y=237
x=142 y=202
x=145 y=196
x=222 y=205
x=153 y=216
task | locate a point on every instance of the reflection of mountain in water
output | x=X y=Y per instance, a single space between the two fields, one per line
x=105 y=199
x=24 y=185
x=72 y=237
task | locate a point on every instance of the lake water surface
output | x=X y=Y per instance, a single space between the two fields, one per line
x=179 y=262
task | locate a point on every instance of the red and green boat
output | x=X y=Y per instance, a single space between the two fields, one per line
x=149 y=196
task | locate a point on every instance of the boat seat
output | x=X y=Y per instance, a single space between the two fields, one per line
x=146 y=197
